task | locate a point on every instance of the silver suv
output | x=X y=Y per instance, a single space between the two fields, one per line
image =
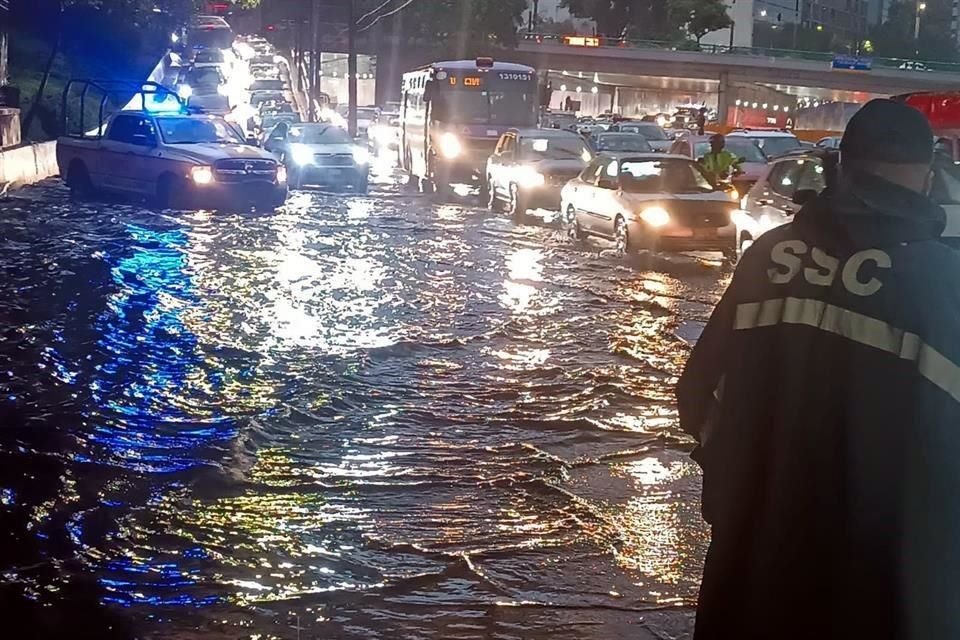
x=793 y=179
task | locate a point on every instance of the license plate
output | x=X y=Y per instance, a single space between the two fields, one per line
x=709 y=232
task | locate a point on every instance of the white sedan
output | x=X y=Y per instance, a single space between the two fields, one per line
x=650 y=201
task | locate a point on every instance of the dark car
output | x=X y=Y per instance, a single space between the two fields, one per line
x=653 y=132
x=529 y=167
x=320 y=153
x=619 y=142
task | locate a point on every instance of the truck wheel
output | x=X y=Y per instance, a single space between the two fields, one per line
x=173 y=193
x=78 y=180
x=517 y=204
x=362 y=184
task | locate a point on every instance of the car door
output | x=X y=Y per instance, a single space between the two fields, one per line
x=141 y=164
x=601 y=206
x=117 y=169
x=493 y=165
x=774 y=204
x=505 y=165
x=580 y=189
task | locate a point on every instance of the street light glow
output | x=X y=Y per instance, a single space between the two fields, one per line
x=922 y=6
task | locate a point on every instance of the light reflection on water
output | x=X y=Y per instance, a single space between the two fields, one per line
x=370 y=417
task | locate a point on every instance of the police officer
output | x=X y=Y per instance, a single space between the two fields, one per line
x=719 y=163
x=825 y=397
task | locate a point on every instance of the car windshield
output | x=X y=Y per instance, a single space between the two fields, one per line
x=559 y=147
x=196 y=130
x=209 y=55
x=649 y=131
x=319 y=134
x=203 y=77
x=663 y=176
x=773 y=146
x=267 y=85
x=486 y=107
x=622 y=142
x=740 y=147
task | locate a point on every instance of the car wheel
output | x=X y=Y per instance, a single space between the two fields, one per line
x=518 y=208
x=622 y=236
x=574 y=232
x=78 y=180
x=173 y=193
x=493 y=202
x=362 y=185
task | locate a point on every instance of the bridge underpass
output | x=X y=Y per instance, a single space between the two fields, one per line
x=728 y=76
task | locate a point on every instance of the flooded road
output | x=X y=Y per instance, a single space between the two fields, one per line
x=357 y=417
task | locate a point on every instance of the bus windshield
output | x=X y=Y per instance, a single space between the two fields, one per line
x=486 y=107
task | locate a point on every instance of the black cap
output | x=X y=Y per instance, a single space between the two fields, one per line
x=887 y=131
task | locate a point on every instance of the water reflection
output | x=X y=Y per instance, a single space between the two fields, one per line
x=360 y=417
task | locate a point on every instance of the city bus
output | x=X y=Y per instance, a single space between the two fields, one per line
x=452 y=114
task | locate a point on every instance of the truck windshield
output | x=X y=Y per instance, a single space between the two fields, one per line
x=195 y=130
x=486 y=107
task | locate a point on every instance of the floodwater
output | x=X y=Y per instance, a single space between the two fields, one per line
x=357 y=417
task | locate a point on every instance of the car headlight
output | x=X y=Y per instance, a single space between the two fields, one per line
x=450 y=145
x=655 y=216
x=301 y=153
x=201 y=175
x=184 y=91
x=734 y=194
x=361 y=155
x=529 y=177
x=281 y=173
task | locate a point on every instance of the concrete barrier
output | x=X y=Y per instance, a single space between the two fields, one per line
x=29 y=163
x=9 y=127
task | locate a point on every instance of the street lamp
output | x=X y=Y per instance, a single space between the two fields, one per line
x=921 y=7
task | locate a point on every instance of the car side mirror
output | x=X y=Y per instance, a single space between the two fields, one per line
x=803 y=196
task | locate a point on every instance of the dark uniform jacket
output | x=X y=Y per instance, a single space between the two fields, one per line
x=825 y=394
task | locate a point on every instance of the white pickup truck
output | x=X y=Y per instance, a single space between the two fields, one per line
x=179 y=161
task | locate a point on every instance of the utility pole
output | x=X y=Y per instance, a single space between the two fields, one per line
x=314 y=83
x=352 y=67
x=796 y=23
x=534 y=16
x=921 y=7
x=733 y=25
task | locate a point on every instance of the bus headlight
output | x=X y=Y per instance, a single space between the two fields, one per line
x=450 y=145
x=361 y=155
x=301 y=153
x=529 y=177
x=185 y=91
x=281 y=174
x=201 y=175
x=655 y=216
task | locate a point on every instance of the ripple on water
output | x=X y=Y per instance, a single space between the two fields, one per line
x=363 y=416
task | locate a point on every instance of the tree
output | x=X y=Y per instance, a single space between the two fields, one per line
x=643 y=19
x=699 y=17
x=462 y=23
x=895 y=37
